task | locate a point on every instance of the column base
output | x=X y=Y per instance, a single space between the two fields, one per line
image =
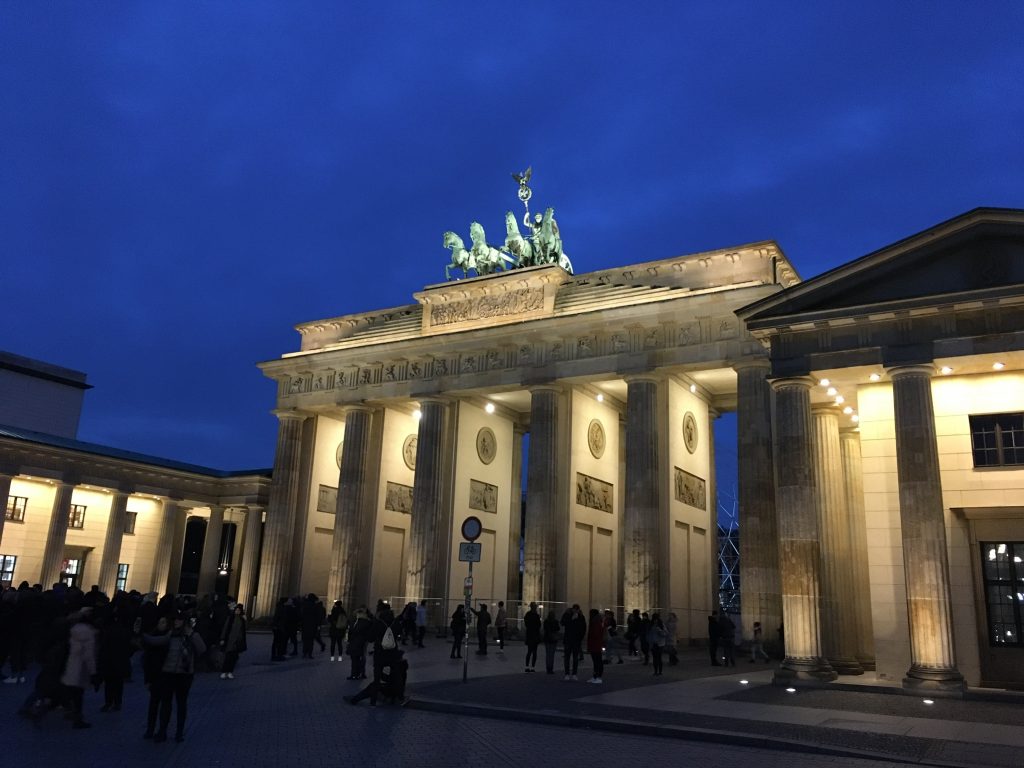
x=867 y=663
x=795 y=672
x=937 y=681
x=846 y=665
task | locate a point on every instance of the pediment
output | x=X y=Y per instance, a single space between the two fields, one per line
x=981 y=251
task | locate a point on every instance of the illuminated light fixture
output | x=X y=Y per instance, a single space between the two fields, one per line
x=824 y=382
x=223 y=572
x=928 y=701
x=945 y=370
x=791 y=690
x=417 y=414
x=831 y=391
x=1002 y=549
x=998 y=366
x=874 y=377
x=600 y=398
x=744 y=682
x=840 y=399
x=693 y=388
x=489 y=407
x=855 y=418
x=848 y=410
x=991 y=553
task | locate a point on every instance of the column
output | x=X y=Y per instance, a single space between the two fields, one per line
x=280 y=527
x=53 y=553
x=799 y=557
x=210 y=565
x=515 y=514
x=853 y=483
x=759 y=525
x=644 y=493
x=112 y=541
x=249 y=569
x=177 y=550
x=164 y=546
x=838 y=620
x=543 y=500
x=429 y=498
x=357 y=489
x=923 y=525
x=5 y=494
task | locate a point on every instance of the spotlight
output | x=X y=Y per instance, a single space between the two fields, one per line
x=848 y=410
x=489 y=407
x=693 y=388
x=791 y=690
x=855 y=418
x=417 y=414
x=744 y=682
x=830 y=391
x=928 y=701
x=874 y=377
x=945 y=370
x=600 y=398
x=824 y=382
x=998 y=366
x=840 y=399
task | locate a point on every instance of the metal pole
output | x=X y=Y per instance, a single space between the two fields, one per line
x=465 y=655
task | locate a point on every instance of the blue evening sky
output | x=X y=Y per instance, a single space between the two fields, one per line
x=181 y=183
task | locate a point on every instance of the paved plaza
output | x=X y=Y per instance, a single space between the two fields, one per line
x=292 y=713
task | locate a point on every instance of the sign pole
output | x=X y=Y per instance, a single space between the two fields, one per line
x=469 y=552
x=465 y=654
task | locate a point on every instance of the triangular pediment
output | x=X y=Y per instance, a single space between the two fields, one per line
x=980 y=252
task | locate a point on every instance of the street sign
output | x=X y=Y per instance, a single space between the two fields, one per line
x=471 y=530
x=469 y=553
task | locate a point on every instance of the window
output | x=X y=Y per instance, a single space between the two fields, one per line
x=1001 y=563
x=76 y=518
x=129 y=523
x=7 y=569
x=71 y=571
x=997 y=439
x=122 y=577
x=16 y=506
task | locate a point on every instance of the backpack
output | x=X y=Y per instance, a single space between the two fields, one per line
x=387 y=642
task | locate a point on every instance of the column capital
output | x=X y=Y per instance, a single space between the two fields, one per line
x=551 y=386
x=827 y=407
x=436 y=400
x=899 y=371
x=849 y=433
x=803 y=382
x=356 y=408
x=759 y=363
x=643 y=378
x=290 y=414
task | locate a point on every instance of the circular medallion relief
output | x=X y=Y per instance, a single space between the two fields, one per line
x=595 y=438
x=486 y=445
x=337 y=453
x=690 y=432
x=409 y=451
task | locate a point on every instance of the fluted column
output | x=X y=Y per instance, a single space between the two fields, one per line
x=280 y=527
x=210 y=563
x=799 y=556
x=169 y=513
x=429 y=497
x=515 y=513
x=922 y=521
x=759 y=524
x=56 y=535
x=112 y=541
x=357 y=488
x=838 y=620
x=860 y=602
x=249 y=569
x=5 y=494
x=644 y=493
x=543 y=500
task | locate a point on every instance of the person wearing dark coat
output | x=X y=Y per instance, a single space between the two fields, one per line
x=292 y=621
x=358 y=636
x=633 y=630
x=531 y=634
x=458 y=627
x=279 y=625
x=713 y=634
x=483 y=621
x=645 y=632
x=550 y=631
x=183 y=648
x=153 y=657
x=311 y=619
x=574 y=628
x=114 y=663
x=232 y=641
x=385 y=631
x=727 y=639
x=337 y=625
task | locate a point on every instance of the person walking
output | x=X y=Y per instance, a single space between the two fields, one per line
x=713 y=637
x=550 y=631
x=337 y=624
x=80 y=667
x=574 y=628
x=633 y=630
x=656 y=639
x=458 y=627
x=727 y=639
x=672 y=630
x=358 y=636
x=757 y=645
x=232 y=641
x=531 y=631
x=500 y=623
x=483 y=621
x=183 y=646
x=595 y=645
x=421 y=623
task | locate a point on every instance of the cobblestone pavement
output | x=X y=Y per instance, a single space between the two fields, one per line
x=292 y=713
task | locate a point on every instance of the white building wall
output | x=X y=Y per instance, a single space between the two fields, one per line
x=328 y=441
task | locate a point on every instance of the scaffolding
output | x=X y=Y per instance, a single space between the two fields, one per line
x=728 y=552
